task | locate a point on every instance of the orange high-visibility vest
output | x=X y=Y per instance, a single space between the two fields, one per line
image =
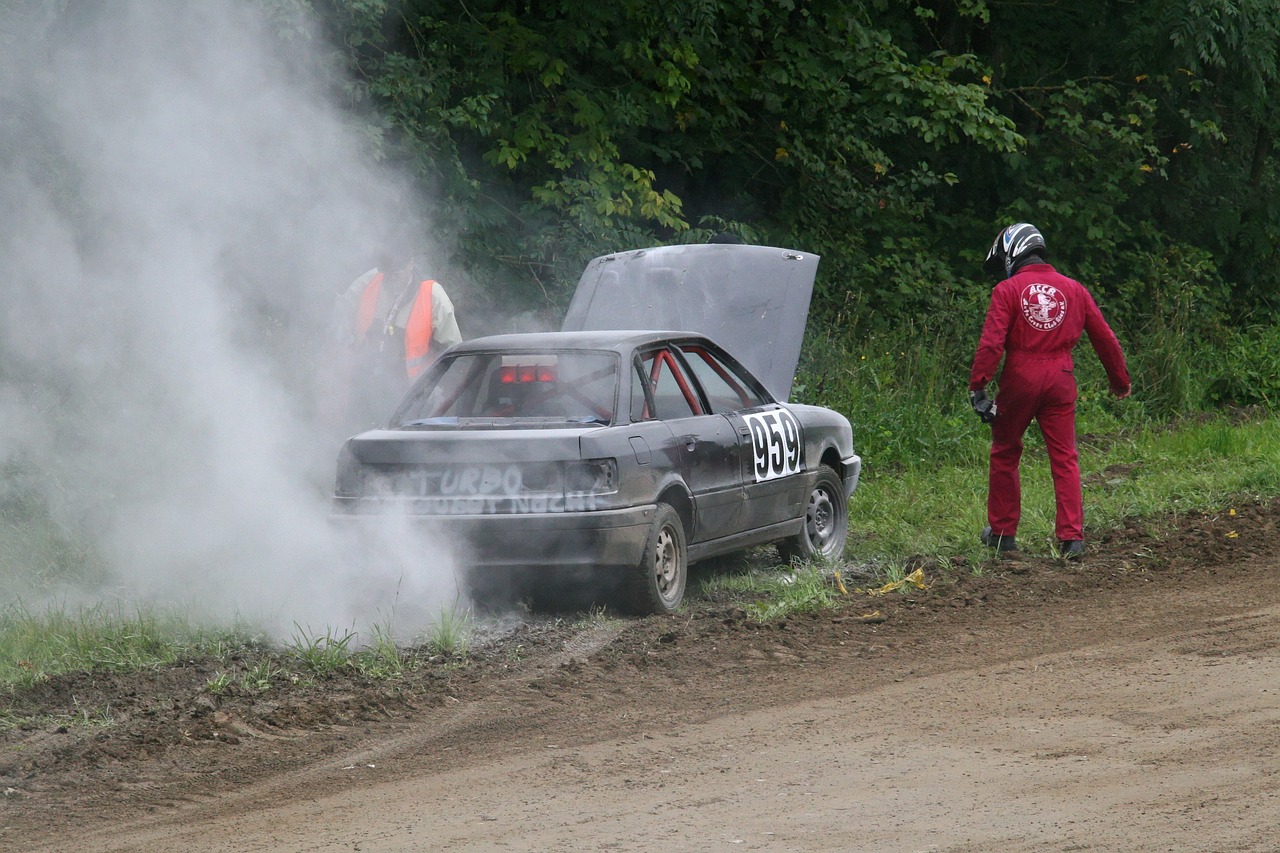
x=417 y=332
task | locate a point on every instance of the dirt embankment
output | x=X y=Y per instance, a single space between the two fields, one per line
x=1129 y=702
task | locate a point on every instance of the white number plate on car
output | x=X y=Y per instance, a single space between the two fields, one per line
x=775 y=444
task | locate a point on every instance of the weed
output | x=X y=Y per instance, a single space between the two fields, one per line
x=218 y=683
x=382 y=658
x=451 y=631
x=259 y=676
x=36 y=646
x=321 y=654
x=806 y=590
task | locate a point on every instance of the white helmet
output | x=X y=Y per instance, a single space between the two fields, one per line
x=1012 y=245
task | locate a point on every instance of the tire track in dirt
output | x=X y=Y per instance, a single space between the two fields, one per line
x=1138 y=737
x=1129 y=669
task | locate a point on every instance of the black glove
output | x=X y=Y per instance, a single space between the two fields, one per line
x=983 y=407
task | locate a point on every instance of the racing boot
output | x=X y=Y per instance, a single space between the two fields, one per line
x=997 y=542
x=1071 y=549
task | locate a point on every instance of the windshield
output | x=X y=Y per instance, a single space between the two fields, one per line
x=564 y=387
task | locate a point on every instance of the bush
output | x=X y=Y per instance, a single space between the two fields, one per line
x=1248 y=369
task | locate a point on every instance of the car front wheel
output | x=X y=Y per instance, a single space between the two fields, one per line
x=658 y=582
x=826 y=521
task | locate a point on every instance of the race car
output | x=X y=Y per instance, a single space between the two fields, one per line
x=620 y=454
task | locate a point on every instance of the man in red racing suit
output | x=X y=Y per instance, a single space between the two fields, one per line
x=1035 y=318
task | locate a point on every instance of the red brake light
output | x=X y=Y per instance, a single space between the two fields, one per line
x=528 y=368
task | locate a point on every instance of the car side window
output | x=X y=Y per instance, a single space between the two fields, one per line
x=727 y=389
x=673 y=394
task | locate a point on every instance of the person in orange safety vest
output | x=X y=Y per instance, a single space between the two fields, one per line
x=395 y=323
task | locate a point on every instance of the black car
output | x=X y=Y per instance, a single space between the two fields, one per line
x=616 y=454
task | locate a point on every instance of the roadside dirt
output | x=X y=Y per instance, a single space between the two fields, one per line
x=1127 y=702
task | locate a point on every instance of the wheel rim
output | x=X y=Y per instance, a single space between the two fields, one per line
x=666 y=565
x=820 y=521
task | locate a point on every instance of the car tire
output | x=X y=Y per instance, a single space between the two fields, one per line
x=658 y=582
x=826 y=521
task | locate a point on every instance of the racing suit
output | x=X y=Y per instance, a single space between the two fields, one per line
x=1034 y=320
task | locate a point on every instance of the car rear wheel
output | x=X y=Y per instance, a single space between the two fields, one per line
x=658 y=583
x=826 y=521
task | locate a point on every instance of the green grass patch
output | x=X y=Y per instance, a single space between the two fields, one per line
x=930 y=503
x=37 y=645
x=1200 y=464
x=771 y=593
x=450 y=632
x=913 y=511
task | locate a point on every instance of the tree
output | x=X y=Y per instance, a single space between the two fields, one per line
x=556 y=131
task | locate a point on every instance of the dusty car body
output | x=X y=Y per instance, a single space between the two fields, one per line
x=617 y=453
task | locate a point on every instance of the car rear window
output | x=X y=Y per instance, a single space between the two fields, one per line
x=572 y=387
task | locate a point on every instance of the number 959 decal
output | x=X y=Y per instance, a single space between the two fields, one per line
x=775 y=443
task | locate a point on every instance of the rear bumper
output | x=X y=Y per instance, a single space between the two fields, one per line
x=599 y=538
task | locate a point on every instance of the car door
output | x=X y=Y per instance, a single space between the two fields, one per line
x=770 y=436
x=708 y=446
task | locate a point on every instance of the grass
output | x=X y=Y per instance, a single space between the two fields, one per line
x=911 y=511
x=768 y=594
x=36 y=645
x=1151 y=471
x=321 y=654
x=899 y=512
x=450 y=633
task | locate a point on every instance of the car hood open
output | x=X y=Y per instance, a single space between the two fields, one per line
x=752 y=300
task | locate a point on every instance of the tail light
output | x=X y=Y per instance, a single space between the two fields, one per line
x=347 y=477
x=599 y=476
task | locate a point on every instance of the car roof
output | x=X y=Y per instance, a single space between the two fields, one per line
x=618 y=340
x=751 y=300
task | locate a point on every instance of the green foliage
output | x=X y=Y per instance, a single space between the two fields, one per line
x=1248 y=372
x=380 y=658
x=322 y=654
x=892 y=139
x=555 y=133
x=37 y=645
x=807 y=590
x=1175 y=305
x=450 y=633
x=1142 y=472
x=903 y=390
x=775 y=593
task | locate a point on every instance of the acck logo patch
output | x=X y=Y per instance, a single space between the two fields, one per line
x=1043 y=306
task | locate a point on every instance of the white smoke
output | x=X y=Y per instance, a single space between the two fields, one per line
x=182 y=200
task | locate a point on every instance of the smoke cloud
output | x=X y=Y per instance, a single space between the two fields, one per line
x=183 y=197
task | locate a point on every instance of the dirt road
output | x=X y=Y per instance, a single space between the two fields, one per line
x=1129 y=703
